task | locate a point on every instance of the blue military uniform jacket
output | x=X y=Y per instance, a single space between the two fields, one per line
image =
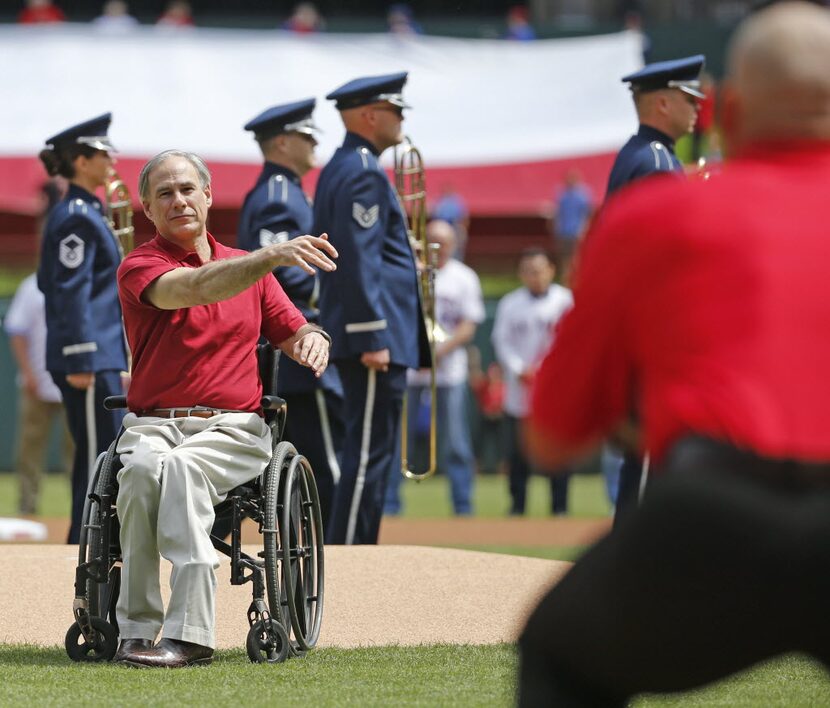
x=77 y=274
x=372 y=301
x=647 y=152
x=275 y=210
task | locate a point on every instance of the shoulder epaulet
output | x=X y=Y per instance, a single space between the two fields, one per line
x=78 y=206
x=366 y=157
x=278 y=189
x=658 y=150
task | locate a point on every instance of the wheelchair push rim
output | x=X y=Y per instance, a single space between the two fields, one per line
x=301 y=531
x=302 y=628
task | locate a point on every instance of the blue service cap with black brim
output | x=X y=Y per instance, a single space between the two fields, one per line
x=683 y=74
x=371 y=89
x=286 y=118
x=92 y=132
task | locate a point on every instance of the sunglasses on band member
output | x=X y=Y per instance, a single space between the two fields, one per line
x=397 y=110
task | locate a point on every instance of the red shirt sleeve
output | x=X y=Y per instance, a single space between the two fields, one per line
x=584 y=384
x=137 y=271
x=280 y=318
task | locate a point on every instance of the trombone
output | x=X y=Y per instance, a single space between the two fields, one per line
x=410 y=186
x=120 y=212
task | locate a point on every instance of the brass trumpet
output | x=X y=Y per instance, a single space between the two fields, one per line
x=120 y=212
x=410 y=185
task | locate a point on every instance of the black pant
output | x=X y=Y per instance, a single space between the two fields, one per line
x=726 y=563
x=305 y=429
x=372 y=404
x=82 y=408
x=519 y=471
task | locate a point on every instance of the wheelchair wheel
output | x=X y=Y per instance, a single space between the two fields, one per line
x=103 y=646
x=301 y=531
x=270 y=535
x=266 y=646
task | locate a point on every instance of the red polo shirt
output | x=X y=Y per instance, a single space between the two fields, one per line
x=708 y=304
x=203 y=355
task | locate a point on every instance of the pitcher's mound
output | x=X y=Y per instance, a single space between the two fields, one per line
x=374 y=595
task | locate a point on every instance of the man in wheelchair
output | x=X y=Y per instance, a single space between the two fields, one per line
x=193 y=312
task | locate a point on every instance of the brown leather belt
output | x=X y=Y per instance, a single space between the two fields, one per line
x=184 y=412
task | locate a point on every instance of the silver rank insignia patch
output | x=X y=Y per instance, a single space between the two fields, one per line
x=269 y=238
x=71 y=251
x=365 y=217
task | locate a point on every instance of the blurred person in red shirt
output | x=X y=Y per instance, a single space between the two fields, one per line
x=705 y=303
x=176 y=15
x=40 y=12
x=489 y=391
x=305 y=19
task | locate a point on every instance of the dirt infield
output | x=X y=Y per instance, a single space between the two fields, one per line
x=471 y=531
x=375 y=595
x=405 y=591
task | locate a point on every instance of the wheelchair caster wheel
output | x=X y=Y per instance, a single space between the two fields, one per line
x=103 y=646
x=267 y=645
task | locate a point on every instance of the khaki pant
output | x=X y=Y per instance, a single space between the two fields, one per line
x=36 y=419
x=174 y=472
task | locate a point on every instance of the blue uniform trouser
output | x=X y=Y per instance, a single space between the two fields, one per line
x=455 y=448
x=372 y=411
x=520 y=470
x=93 y=429
x=315 y=427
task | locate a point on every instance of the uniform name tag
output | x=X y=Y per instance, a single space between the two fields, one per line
x=71 y=251
x=365 y=217
x=268 y=238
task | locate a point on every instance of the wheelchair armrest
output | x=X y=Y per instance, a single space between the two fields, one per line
x=272 y=403
x=114 y=403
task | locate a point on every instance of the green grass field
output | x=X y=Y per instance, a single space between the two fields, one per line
x=428 y=499
x=393 y=676
x=428 y=676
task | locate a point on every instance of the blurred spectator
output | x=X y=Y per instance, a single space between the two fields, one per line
x=305 y=19
x=39 y=405
x=489 y=390
x=40 y=400
x=115 y=18
x=40 y=12
x=459 y=309
x=633 y=21
x=572 y=212
x=177 y=14
x=518 y=24
x=452 y=208
x=401 y=20
x=522 y=334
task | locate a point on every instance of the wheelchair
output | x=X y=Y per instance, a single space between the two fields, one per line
x=287 y=576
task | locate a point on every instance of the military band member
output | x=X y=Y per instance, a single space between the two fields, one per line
x=370 y=305
x=85 y=347
x=666 y=96
x=275 y=210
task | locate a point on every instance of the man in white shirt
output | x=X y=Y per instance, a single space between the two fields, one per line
x=522 y=334
x=459 y=309
x=40 y=400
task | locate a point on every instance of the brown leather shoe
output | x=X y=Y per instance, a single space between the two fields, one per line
x=128 y=647
x=171 y=654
